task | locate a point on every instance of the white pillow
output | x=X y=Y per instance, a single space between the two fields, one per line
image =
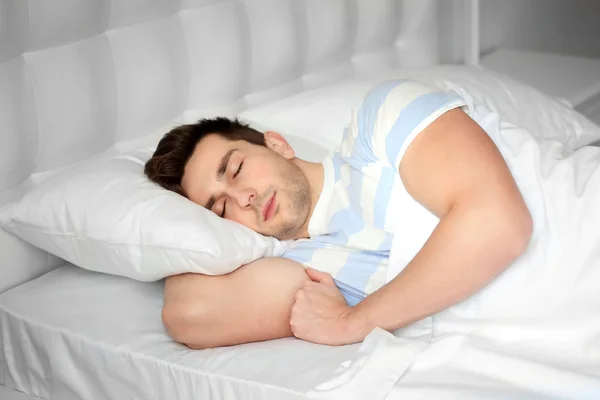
x=321 y=115
x=106 y=216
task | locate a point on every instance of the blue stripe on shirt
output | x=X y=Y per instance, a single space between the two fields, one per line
x=411 y=116
x=367 y=115
x=359 y=267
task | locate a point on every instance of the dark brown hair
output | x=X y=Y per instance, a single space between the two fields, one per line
x=167 y=164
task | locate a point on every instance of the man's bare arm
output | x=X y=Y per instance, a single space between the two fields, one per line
x=455 y=170
x=251 y=304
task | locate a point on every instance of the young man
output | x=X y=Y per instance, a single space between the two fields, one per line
x=405 y=142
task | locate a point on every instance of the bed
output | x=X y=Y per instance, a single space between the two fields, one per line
x=81 y=80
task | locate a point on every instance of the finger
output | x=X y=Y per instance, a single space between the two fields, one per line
x=300 y=295
x=318 y=276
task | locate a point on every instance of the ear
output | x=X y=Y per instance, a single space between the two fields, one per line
x=277 y=143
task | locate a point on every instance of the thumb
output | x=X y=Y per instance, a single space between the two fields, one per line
x=320 y=277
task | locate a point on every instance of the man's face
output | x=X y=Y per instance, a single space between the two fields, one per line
x=259 y=187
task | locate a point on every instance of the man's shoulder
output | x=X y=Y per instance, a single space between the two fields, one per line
x=370 y=121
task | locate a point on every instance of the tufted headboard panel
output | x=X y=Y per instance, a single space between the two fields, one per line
x=78 y=77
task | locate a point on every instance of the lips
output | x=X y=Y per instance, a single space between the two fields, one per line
x=269 y=208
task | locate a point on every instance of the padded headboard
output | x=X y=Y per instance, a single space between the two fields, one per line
x=76 y=77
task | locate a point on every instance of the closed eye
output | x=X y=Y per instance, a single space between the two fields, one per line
x=238 y=170
x=224 y=207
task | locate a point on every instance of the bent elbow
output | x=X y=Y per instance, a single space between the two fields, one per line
x=184 y=325
x=517 y=233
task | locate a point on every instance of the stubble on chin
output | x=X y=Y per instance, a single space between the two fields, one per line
x=299 y=202
x=297 y=193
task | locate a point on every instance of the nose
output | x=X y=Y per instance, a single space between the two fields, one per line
x=244 y=197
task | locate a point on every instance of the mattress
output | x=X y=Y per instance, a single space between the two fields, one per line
x=75 y=334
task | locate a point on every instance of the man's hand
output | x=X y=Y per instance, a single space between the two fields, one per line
x=320 y=313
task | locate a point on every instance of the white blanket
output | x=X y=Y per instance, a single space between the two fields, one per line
x=536 y=328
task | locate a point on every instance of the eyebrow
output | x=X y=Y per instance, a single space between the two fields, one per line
x=220 y=172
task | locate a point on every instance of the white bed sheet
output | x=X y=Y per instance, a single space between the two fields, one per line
x=73 y=334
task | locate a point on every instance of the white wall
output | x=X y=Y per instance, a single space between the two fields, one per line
x=560 y=26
